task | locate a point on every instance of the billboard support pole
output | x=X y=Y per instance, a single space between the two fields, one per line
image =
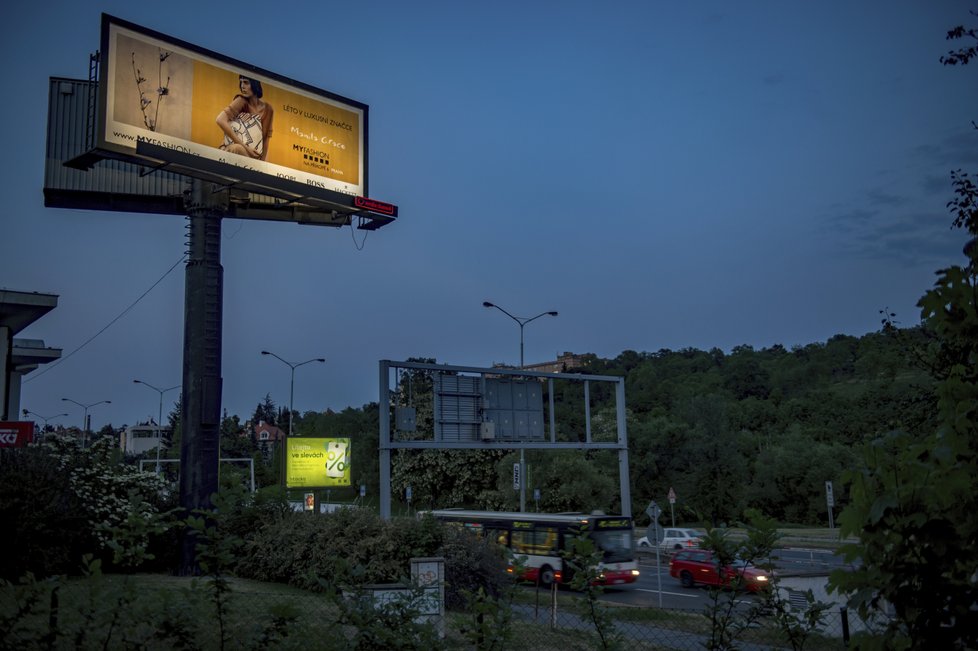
x=201 y=403
x=384 y=420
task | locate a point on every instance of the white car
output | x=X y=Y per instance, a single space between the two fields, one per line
x=674 y=539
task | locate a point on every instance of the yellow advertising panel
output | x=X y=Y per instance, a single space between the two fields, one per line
x=317 y=463
x=177 y=96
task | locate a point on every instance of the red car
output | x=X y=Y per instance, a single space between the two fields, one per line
x=697 y=566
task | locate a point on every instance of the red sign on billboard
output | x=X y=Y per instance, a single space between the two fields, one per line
x=375 y=206
x=16 y=434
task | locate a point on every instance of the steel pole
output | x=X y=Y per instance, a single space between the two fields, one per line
x=292 y=366
x=522 y=450
x=522 y=322
x=291 y=399
x=159 y=434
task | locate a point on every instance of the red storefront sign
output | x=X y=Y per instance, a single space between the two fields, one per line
x=15 y=434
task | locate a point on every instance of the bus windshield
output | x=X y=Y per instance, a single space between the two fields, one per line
x=615 y=545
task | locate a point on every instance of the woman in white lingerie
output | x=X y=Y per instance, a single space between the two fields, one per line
x=247 y=121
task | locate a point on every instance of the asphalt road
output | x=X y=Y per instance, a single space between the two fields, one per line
x=656 y=588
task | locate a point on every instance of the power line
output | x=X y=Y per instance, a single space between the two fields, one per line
x=55 y=364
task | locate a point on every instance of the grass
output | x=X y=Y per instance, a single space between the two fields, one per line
x=153 y=611
x=162 y=612
x=645 y=627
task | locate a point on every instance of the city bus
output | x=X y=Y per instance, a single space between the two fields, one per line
x=537 y=540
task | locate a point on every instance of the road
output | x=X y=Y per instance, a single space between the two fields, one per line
x=653 y=580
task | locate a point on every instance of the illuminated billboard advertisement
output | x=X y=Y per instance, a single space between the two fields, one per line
x=317 y=463
x=172 y=94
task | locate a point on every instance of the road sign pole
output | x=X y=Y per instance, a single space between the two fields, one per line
x=672 y=503
x=829 y=503
x=654 y=535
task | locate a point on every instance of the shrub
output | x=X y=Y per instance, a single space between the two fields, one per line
x=474 y=565
x=59 y=502
x=44 y=524
x=352 y=547
x=349 y=546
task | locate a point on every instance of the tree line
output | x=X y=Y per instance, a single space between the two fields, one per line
x=750 y=428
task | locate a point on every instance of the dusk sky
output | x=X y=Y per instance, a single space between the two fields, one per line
x=663 y=174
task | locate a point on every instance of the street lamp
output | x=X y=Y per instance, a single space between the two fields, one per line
x=292 y=366
x=159 y=422
x=44 y=418
x=522 y=323
x=520 y=320
x=86 y=408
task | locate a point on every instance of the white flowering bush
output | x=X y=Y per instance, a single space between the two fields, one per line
x=95 y=504
x=112 y=494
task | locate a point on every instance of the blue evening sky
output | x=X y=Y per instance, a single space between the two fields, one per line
x=663 y=174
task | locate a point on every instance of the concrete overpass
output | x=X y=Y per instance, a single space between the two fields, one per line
x=18 y=357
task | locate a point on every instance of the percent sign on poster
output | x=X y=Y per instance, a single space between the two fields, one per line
x=336 y=458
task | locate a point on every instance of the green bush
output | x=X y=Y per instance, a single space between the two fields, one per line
x=349 y=546
x=472 y=563
x=59 y=502
x=44 y=525
x=352 y=547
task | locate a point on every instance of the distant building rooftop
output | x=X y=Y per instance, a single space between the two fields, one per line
x=563 y=363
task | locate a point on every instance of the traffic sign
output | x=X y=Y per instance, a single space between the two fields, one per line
x=653 y=510
x=672 y=496
x=516 y=476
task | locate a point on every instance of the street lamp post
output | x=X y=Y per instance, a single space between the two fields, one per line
x=85 y=422
x=44 y=418
x=522 y=323
x=159 y=422
x=291 y=366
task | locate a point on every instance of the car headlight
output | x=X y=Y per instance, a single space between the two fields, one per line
x=761 y=579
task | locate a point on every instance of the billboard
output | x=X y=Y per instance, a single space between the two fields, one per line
x=316 y=462
x=16 y=434
x=165 y=92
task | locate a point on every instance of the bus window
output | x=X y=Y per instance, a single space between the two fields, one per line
x=541 y=541
x=499 y=536
x=522 y=542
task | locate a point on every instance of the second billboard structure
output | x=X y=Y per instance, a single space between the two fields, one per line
x=175 y=95
x=317 y=462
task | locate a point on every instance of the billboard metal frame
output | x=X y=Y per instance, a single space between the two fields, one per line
x=549 y=442
x=321 y=200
